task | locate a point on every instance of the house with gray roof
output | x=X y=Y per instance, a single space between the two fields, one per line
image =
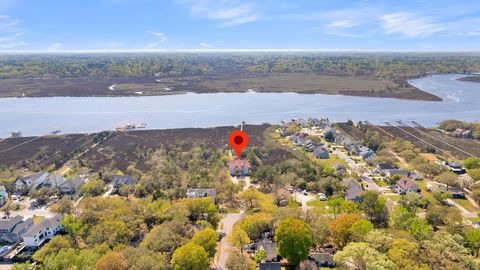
x=202 y=193
x=353 y=190
x=24 y=184
x=53 y=180
x=45 y=230
x=12 y=229
x=72 y=186
x=122 y=180
x=321 y=153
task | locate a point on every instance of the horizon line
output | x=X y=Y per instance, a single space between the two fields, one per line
x=220 y=51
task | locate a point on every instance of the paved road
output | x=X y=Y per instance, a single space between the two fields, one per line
x=224 y=247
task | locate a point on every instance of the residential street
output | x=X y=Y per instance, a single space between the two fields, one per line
x=224 y=247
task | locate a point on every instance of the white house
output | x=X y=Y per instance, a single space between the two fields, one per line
x=30 y=181
x=3 y=195
x=44 y=230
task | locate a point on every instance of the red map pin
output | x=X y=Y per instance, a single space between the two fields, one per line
x=238 y=140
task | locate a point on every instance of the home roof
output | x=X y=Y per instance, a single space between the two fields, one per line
x=270 y=249
x=270 y=266
x=202 y=192
x=32 y=177
x=399 y=172
x=55 y=179
x=23 y=226
x=354 y=189
x=119 y=180
x=3 y=189
x=238 y=163
x=386 y=166
x=46 y=223
x=321 y=257
x=8 y=224
x=406 y=183
x=75 y=183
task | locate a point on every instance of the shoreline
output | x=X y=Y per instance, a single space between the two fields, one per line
x=300 y=83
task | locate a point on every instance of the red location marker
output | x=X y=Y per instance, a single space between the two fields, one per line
x=238 y=140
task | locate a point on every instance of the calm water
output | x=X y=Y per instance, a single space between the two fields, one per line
x=37 y=116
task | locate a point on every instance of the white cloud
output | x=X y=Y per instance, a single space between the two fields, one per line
x=229 y=13
x=11 y=45
x=10 y=35
x=205 y=45
x=471 y=33
x=54 y=46
x=162 y=37
x=409 y=26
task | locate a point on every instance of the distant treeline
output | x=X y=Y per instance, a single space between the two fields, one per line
x=382 y=65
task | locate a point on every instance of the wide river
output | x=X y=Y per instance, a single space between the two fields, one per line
x=38 y=116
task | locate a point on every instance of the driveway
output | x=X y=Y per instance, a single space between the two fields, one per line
x=28 y=213
x=304 y=199
x=224 y=247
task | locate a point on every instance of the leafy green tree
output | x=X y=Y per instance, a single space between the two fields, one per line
x=237 y=261
x=474 y=174
x=190 y=257
x=330 y=136
x=112 y=261
x=340 y=229
x=239 y=238
x=318 y=223
x=139 y=258
x=111 y=232
x=22 y=266
x=373 y=204
x=167 y=236
x=405 y=255
x=63 y=206
x=471 y=163
x=359 y=229
x=399 y=218
x=379 y=239
x=256 y=224
x=362 y=256
x=93 y=188
x=473 y=241
x=250 y=198
x=447 y=178
x=444 y=251
x=206 y=238
x=259 y=255
x=294 y=239
x=202 y=209
x=418 y=228
x=57 y=243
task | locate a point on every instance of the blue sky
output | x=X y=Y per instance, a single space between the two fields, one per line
x=243 y=24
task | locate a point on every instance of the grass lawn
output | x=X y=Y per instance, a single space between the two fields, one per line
x=465 y=204
x=423 y=186
x=474 y=219
x=380 y=182
x=317 y=203
x=394 y=198
x=267 y=202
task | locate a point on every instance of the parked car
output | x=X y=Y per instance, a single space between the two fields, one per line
x=322 y=196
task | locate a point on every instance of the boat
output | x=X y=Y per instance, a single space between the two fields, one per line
x=142 y=125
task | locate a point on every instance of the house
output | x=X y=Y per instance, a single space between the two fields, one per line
x=270 y=266
x=298 y=139
x=270 y=248
x=454 y=192
x=393 y=172
x=12 y=229
x=405 y=185
x=462 y=133
x=300 y=122
x=321 y=153
x=366 y=153
x=41 y=232
x=340 y=169
x=239 y=167
x=53 y=180
x=309 y=146
x=122 y=180
x=3 y=195
x=382 y=167
x=202 y=193
x=455 y=167
x=353 y=190
x=72 y=186
x=322 y=259
x=24 y=184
